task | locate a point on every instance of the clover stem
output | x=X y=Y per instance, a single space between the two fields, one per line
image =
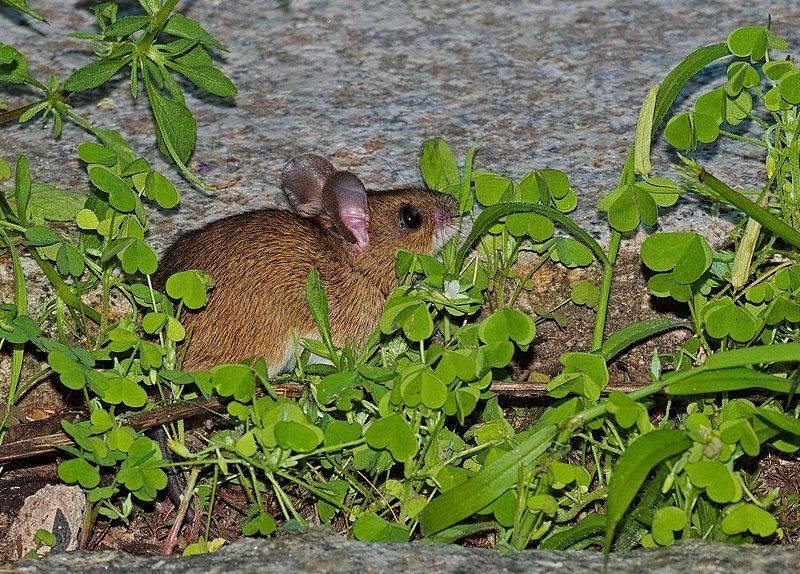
x=605 y=290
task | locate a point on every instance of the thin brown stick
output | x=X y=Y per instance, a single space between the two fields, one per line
x=34 y=445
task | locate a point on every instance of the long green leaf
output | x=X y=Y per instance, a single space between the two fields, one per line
x=630 y=531
x=779 y=420
x=176 y=124
x=776 y=353
x=631 y=470
x=467 y=498
x=638 y=332
x=491 y=215
x=589 y=527
x=460 y=532
x=22 y=6
x=21 y=301
x=62 y=289
x=94 y=74
x=318 y=304
x=751 y=209
x=689 y=67
x=726 y=380
x=198 y=67
x=438 y=164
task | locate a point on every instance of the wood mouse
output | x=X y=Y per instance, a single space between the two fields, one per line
x=260 y=262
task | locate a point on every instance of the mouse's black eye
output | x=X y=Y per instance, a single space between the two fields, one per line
x=410 y=217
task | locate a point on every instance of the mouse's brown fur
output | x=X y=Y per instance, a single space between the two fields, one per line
x=260 y=262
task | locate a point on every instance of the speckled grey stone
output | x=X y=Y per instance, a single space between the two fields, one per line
x=536 y=84
x=316 y=552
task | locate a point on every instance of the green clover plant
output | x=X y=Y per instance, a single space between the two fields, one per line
x=403 y=437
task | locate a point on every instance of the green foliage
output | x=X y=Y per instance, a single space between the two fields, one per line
x=686 y=255
x=584 y=374
x=22 y=6
x=702 y=493
x=116 y=361
x=632 y=469
x=402 y=437
x=156 y=46
x=638 y=202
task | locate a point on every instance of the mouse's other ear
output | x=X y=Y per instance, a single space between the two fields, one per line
x=303 y=179
x=344 y=199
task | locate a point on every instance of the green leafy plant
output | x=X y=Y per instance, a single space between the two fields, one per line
x=696 y=465
x=155 y=45
x=113 y=362
x=403 y=437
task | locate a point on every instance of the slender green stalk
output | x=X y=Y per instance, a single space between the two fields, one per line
x=670 y=88
x=18 y=350
x=605 y=290
x=62 y=289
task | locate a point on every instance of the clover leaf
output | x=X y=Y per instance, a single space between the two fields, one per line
x=584 y=374
x=686 y=129
x=687 y=255
x=369 y=527
x=298 y=437
x=667 y=521
x=191 y=287
x=721 y=485
x=77 y=470
x=393 y=434
x=507 y=324
x=747 y=517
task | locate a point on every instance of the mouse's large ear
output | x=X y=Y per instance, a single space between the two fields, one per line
x=344 y=199
x=303 y=179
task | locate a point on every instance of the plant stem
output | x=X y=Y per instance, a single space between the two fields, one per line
x=18 y=350
x=12 y=226
x=605 y=290
x=62 y=289
x=670 y=88
x=17 y=112
x=742 y=138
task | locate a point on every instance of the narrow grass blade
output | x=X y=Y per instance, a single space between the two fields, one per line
x=751 y=209
x=638 y=332
x=781 y=421
x=588 y=529
x=492 y=214
x=469 y=497
x=631 y=470
x=726 y=380
x=777 y=353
